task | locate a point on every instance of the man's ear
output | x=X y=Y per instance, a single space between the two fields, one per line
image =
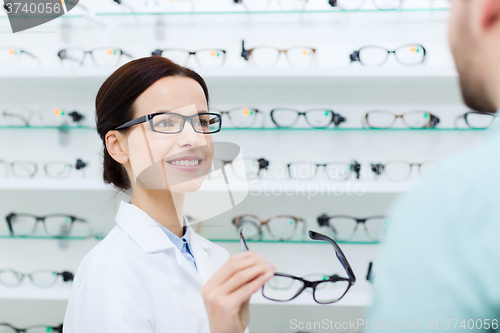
x=116 y=146
x=490 y=14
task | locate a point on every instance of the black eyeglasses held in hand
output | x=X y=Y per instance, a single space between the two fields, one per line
x=171 y=123
x=325 y=291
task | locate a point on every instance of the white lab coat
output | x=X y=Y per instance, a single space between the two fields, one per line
x=137 y=281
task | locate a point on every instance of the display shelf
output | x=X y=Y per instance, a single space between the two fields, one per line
x=97 y=237
x=47 y=127
x=268 y=187
x=291 y=241
x=355 y=71
x=20 y=293
x=352 y=298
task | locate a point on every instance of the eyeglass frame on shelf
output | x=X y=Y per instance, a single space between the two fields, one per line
x=433 y=120
x=337 y=119
x=355 y=56
x=324 y=221
x=263 y=222
x=55 y=329
x=62 y=57
x=379 y=168
x=74 y=219
x=247 y=53
x=313 y=284
x=465 y=115
x=66 y=276
x=159 y=52
x=353 y=167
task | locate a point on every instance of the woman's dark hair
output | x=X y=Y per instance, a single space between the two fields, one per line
x=116 y=97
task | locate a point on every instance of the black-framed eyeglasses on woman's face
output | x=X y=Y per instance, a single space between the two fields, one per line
x=101 y=56
x=381 y=119
x=279 y=227
x=56 y=225
x=407 y=55
x=333 y=170
x=172 y=123
x=40 y=278
x=344 y=227
x=208 y=57
x=8 y=328
x=285 y=287
x=477 y=120
x=316 y=118
x=400 y=170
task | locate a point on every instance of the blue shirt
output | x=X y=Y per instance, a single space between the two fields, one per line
x=181 y=243
x=440 y=260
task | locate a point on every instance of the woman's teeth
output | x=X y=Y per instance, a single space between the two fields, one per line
x=185 y=162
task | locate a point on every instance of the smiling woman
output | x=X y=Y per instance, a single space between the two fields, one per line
x=152 y=272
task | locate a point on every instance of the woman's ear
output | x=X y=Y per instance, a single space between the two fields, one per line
x=490 y=14
x=116 y=146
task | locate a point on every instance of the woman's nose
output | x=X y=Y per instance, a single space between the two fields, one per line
x=188 y=137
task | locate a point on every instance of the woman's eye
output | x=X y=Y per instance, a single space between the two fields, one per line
x=164 y=123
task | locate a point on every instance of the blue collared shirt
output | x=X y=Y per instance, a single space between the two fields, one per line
x=181 y=243
x=439 y=265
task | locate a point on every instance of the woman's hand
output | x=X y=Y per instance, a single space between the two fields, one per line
x=227 y=293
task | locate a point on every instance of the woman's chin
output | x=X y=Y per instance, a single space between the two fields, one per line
x=188 y=186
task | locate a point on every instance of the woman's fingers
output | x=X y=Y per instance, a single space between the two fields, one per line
x=243 y=276
x=244 y=293
x=234 y=264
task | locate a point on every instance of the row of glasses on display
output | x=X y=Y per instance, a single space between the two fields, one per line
x=284 y=227
x=257 y=168
x=261 y=56
x=8 y=328
x=320 y=118
x=21 y=116
x=328 y=289
x=29 y=169
x=293 y=5
x=40 y=278
x=55 y=225
x=344 y=5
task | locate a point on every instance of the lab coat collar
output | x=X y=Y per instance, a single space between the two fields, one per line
x=146 y=233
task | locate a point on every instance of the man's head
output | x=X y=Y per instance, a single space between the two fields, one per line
x=474 y=35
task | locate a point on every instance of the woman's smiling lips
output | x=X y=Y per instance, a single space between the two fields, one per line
x=186 y=163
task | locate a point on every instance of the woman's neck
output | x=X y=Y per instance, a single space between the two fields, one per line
x=162 y=205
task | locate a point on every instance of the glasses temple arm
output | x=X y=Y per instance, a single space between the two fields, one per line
x=340 y=255
x=133 y=122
